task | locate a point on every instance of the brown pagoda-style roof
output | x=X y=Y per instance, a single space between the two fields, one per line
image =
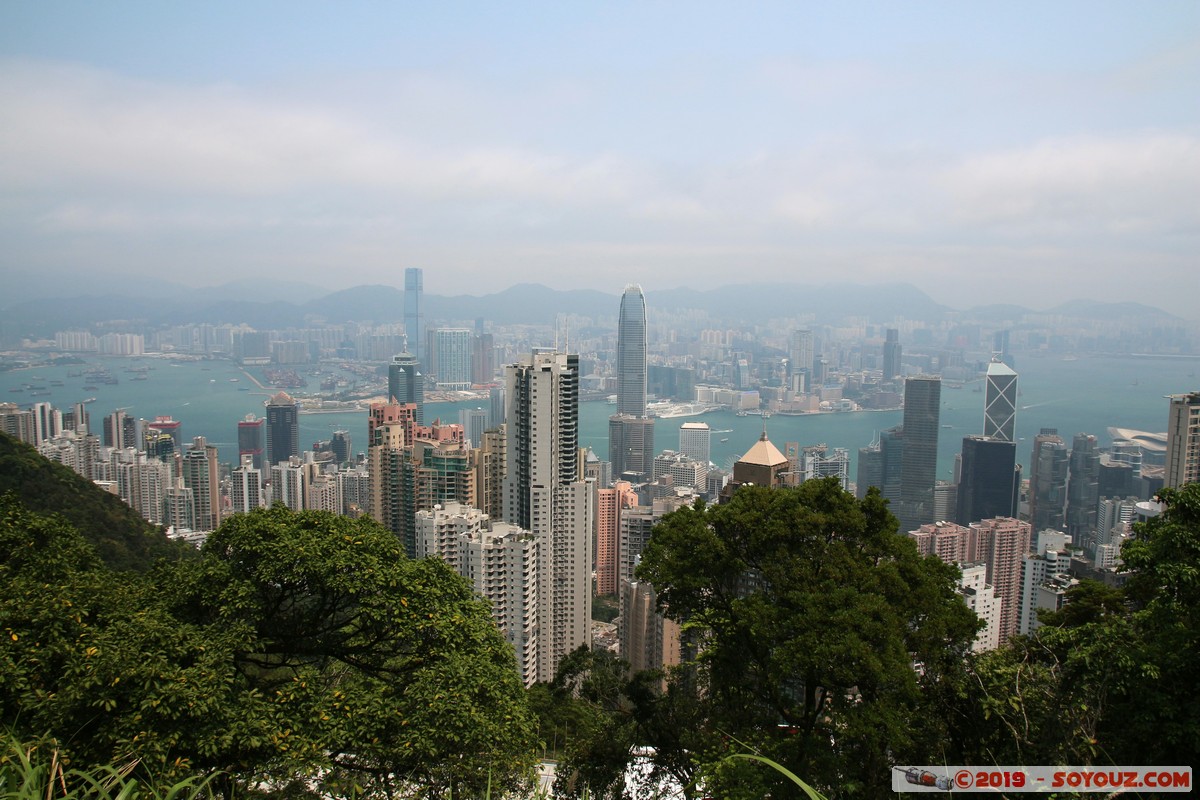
x=763 y=453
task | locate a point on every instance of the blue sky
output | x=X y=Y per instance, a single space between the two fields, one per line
x=1018 y=152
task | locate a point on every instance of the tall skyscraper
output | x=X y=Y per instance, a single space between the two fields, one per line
x=630 y=431
x=1083 y=489
x=695 y=441
x=631 y=353
x=801 y=360
x=342 y=446
x=918 y=465
x=283 y=428
x=247 y=490
x=406 y=384
x=891 y=355
x=120 y=430
x=544 y=495
x=1183 y=440
x=414 y=311
x=990 y=484
x=252 y=438
x=1000 y=402
x=453 y=347
x=1048 y=481
x=631 y=446
x=200 y=463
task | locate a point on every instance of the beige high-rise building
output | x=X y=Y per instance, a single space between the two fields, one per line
x=500 y=560
x=200 y=465
x=1183 y=440
x=544 y=495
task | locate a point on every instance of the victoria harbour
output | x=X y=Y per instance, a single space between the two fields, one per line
x=209 y=398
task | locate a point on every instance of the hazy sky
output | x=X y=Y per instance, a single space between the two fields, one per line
x=1004 y=152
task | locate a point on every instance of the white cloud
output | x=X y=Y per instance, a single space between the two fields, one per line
x=1086 y=185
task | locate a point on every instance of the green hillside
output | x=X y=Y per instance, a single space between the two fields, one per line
x=122 y=538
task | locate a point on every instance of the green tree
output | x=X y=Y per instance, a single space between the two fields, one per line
x=827 y=643
x=300 y=649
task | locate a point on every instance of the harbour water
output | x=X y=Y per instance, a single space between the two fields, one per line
x=1087 y=394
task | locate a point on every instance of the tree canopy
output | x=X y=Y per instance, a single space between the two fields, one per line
x=300 y=650
x=825 y=641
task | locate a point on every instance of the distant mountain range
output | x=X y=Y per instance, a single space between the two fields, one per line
x=271 y=305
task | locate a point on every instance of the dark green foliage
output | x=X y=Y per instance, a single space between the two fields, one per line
x=813 y=613
x=299 y=649
x=122 y=538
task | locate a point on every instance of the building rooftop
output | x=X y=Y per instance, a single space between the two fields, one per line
x=764 y=453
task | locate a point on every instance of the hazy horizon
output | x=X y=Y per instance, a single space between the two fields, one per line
x=1023 y=154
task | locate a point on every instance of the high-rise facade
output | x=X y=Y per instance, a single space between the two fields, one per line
x=406 y=384
x=630 y=431
x=283 y=428
x=891 y=355
x=695 y=441
x=631 y=446
x=1183 y=440
x=1048 y=481
x=251 y=438
x=1083 y=489
x=490 y=554
x=1000 y=402
x=414 y=310
x=453 y=347
x=918 y=466
x=990 y=484
x=199 y=465
x=631 y=353
x=544 y=495
x=247 y=492
x=800 y=354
